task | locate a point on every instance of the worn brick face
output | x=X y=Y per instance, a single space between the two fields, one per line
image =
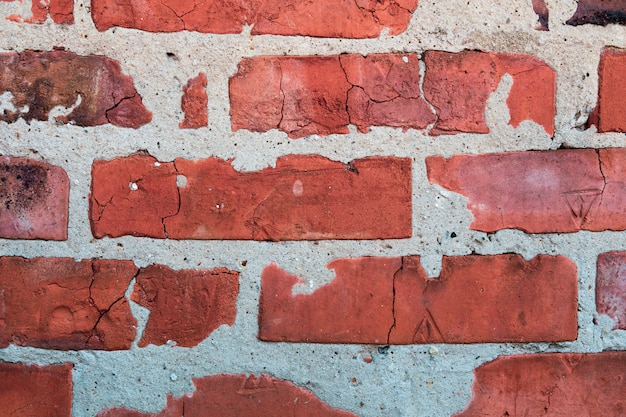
x=599 y=12
x=539 y=191
x=240 y=395
x=476 y=299
x=185 y=306
x=323 y=18
x=309 y=95
x=555 y=384
x=611 y=287
x=194 y=103
x=610 y=112
x=303 y=198
x=58 y=303
x=60 y=11
x=40 y=81
x=34 y=198
x=37 y=391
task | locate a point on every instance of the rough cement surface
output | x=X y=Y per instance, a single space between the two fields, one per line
x=417 y=380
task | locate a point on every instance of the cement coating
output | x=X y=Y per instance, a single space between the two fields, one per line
x=419 y=380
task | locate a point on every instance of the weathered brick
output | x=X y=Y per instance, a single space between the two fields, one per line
x=40 y=81
x=540 y=8
x=304 y=198
x=539 y=191
x=323 y=95
x=599 y=12
x=611 y=287
x=554 y=384
x=58 y=303
x=458 y=85
x=37 y=391
x=476 y=299
x=240 y=395
x=323 y=18
x=60 y=11
x=185 y=306
x=610 y=112
x=34 y=198
x=194 y=103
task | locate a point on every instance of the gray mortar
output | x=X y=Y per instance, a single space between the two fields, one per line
x=418 y=380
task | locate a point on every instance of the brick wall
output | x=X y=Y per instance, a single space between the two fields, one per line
x=312 y=208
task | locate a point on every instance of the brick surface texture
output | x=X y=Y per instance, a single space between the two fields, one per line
x=373 y=208
x=30 y=390
x=322 y=95
x=302 y=198
x=391 y=300
x=34 y=200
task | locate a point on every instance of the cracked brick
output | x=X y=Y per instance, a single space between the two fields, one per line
x=59 y=303
x=34 y=198
x=610 y=112
x=558 y=191
x=324 y=18
x=31 y=390
x=305 y=197
x=92 y=86
x=187 y=305
x=194 y=103
x=476 y=299
x=241 y=395
x=290 y=94
x=550 y=384
x=599 y=12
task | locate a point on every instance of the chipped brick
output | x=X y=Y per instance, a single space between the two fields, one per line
x=458 y=85
x=610 y=112
x=290 y=94
x=60 y=11
x=194 y=103
x=34 y=198
x=185 y=306
x=611 y=287
x=324 y=18
x=599 y=12
x=539 y=191
x=240 y=395
x=58 y=303
x=41 y=81
x=554 y=384
x=303 y=198
x=31 y=390
x=476 y=299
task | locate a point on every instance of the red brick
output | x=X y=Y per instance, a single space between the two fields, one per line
x=41 y=391
x=555 y=384
x=458 y=85
x=610 y=112
x=58 y=303
x=61 y=12
x=241 y=395
x=324 y=18
x=34 y=198
x=539 y=191
x=611 y=287
x=540 y=8
x=304 y=198
x=476 y=299
x=599 y=12
x=185 y=306
x=194 y=103
x=290 y=93
x=41 y=81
